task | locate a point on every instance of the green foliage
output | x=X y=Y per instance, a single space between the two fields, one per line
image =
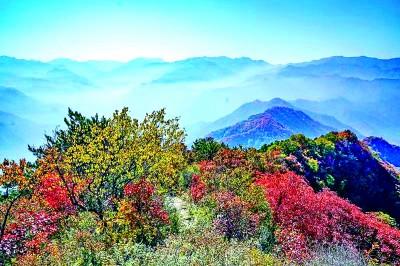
x=255 y=196
x=330 y=180
x=175 y=220
x=266 y=237
x=386 y=218
x=313 y=164
x=99 y=156
x=237 y=180
x=80 y=244
x=206 y=148
x=203 y=214
x=185 y=177
x=324 y=146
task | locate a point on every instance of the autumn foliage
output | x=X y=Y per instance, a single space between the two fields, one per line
x=118 y=191
x=235 y=220
x=307 y=218
x=143 y=211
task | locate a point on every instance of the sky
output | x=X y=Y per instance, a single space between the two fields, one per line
x=278 y=31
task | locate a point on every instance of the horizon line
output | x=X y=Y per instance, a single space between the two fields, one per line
x=187 y=58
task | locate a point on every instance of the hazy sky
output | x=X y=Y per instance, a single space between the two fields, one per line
x=277 y=31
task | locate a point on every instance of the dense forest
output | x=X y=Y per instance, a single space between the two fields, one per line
x=119 y=191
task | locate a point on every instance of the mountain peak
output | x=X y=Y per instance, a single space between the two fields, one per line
x=275 y=123
x=279 y=101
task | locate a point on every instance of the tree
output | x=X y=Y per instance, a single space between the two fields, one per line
x=15 y=184
x=206 y=148
x=93 y=159
x=23 y=225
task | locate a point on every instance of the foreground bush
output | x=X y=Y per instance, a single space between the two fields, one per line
x=337 y=255
x=116 y=191
x=340 y=162
x=141 y=214
x=307 y=218
x=80 y=244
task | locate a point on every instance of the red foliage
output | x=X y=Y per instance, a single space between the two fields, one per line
x=306 y=218
x=29 y=232
x=207 y=166
x=230 y=158
x=346 y=135
x=144 y=204
x=54 y=193
x=235 y=220
x=197 y=188
x=142 y=190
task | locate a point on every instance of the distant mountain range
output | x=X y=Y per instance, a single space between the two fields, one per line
x=357 y=67
x=357 y=93
x=18 y=103
x=256 y=107
x=15 y=135
x=388 y=152
x=276 y=123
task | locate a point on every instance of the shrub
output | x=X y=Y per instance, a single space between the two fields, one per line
x=27 y=233
x=337 y=255
x=80 y=244
x=229 y=172
x=96 y=157
x=197 y=188
x=313 y=164
x=202 y=215
x=206 y=149
x=234 y=218
x=307 y=218
x=386 y=218
x=205 y=247
x=143 y=212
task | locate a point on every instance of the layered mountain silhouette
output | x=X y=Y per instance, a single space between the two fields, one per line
x=275 y=123
x=256 y=107
x=15 y=135
x=387 y=151
x=208 y=93
x=358 y=67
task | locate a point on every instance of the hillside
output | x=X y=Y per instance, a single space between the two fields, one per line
x=387 y=151
x=340 y=162
x=256 y=107
x=15 y=135
x=294 y=201
x=273 y=124
x=375 y=117
x=246 y=110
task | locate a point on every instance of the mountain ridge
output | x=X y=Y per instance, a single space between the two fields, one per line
x=273 y=124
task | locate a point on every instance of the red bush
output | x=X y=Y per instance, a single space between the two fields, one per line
x=231 y=158
x=143 y=203
x=234 y=218
x=197 y=188
x=29 y=231
x=52 y=191
x=306 y=218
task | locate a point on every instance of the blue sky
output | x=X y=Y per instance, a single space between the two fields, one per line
x=278 y=31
